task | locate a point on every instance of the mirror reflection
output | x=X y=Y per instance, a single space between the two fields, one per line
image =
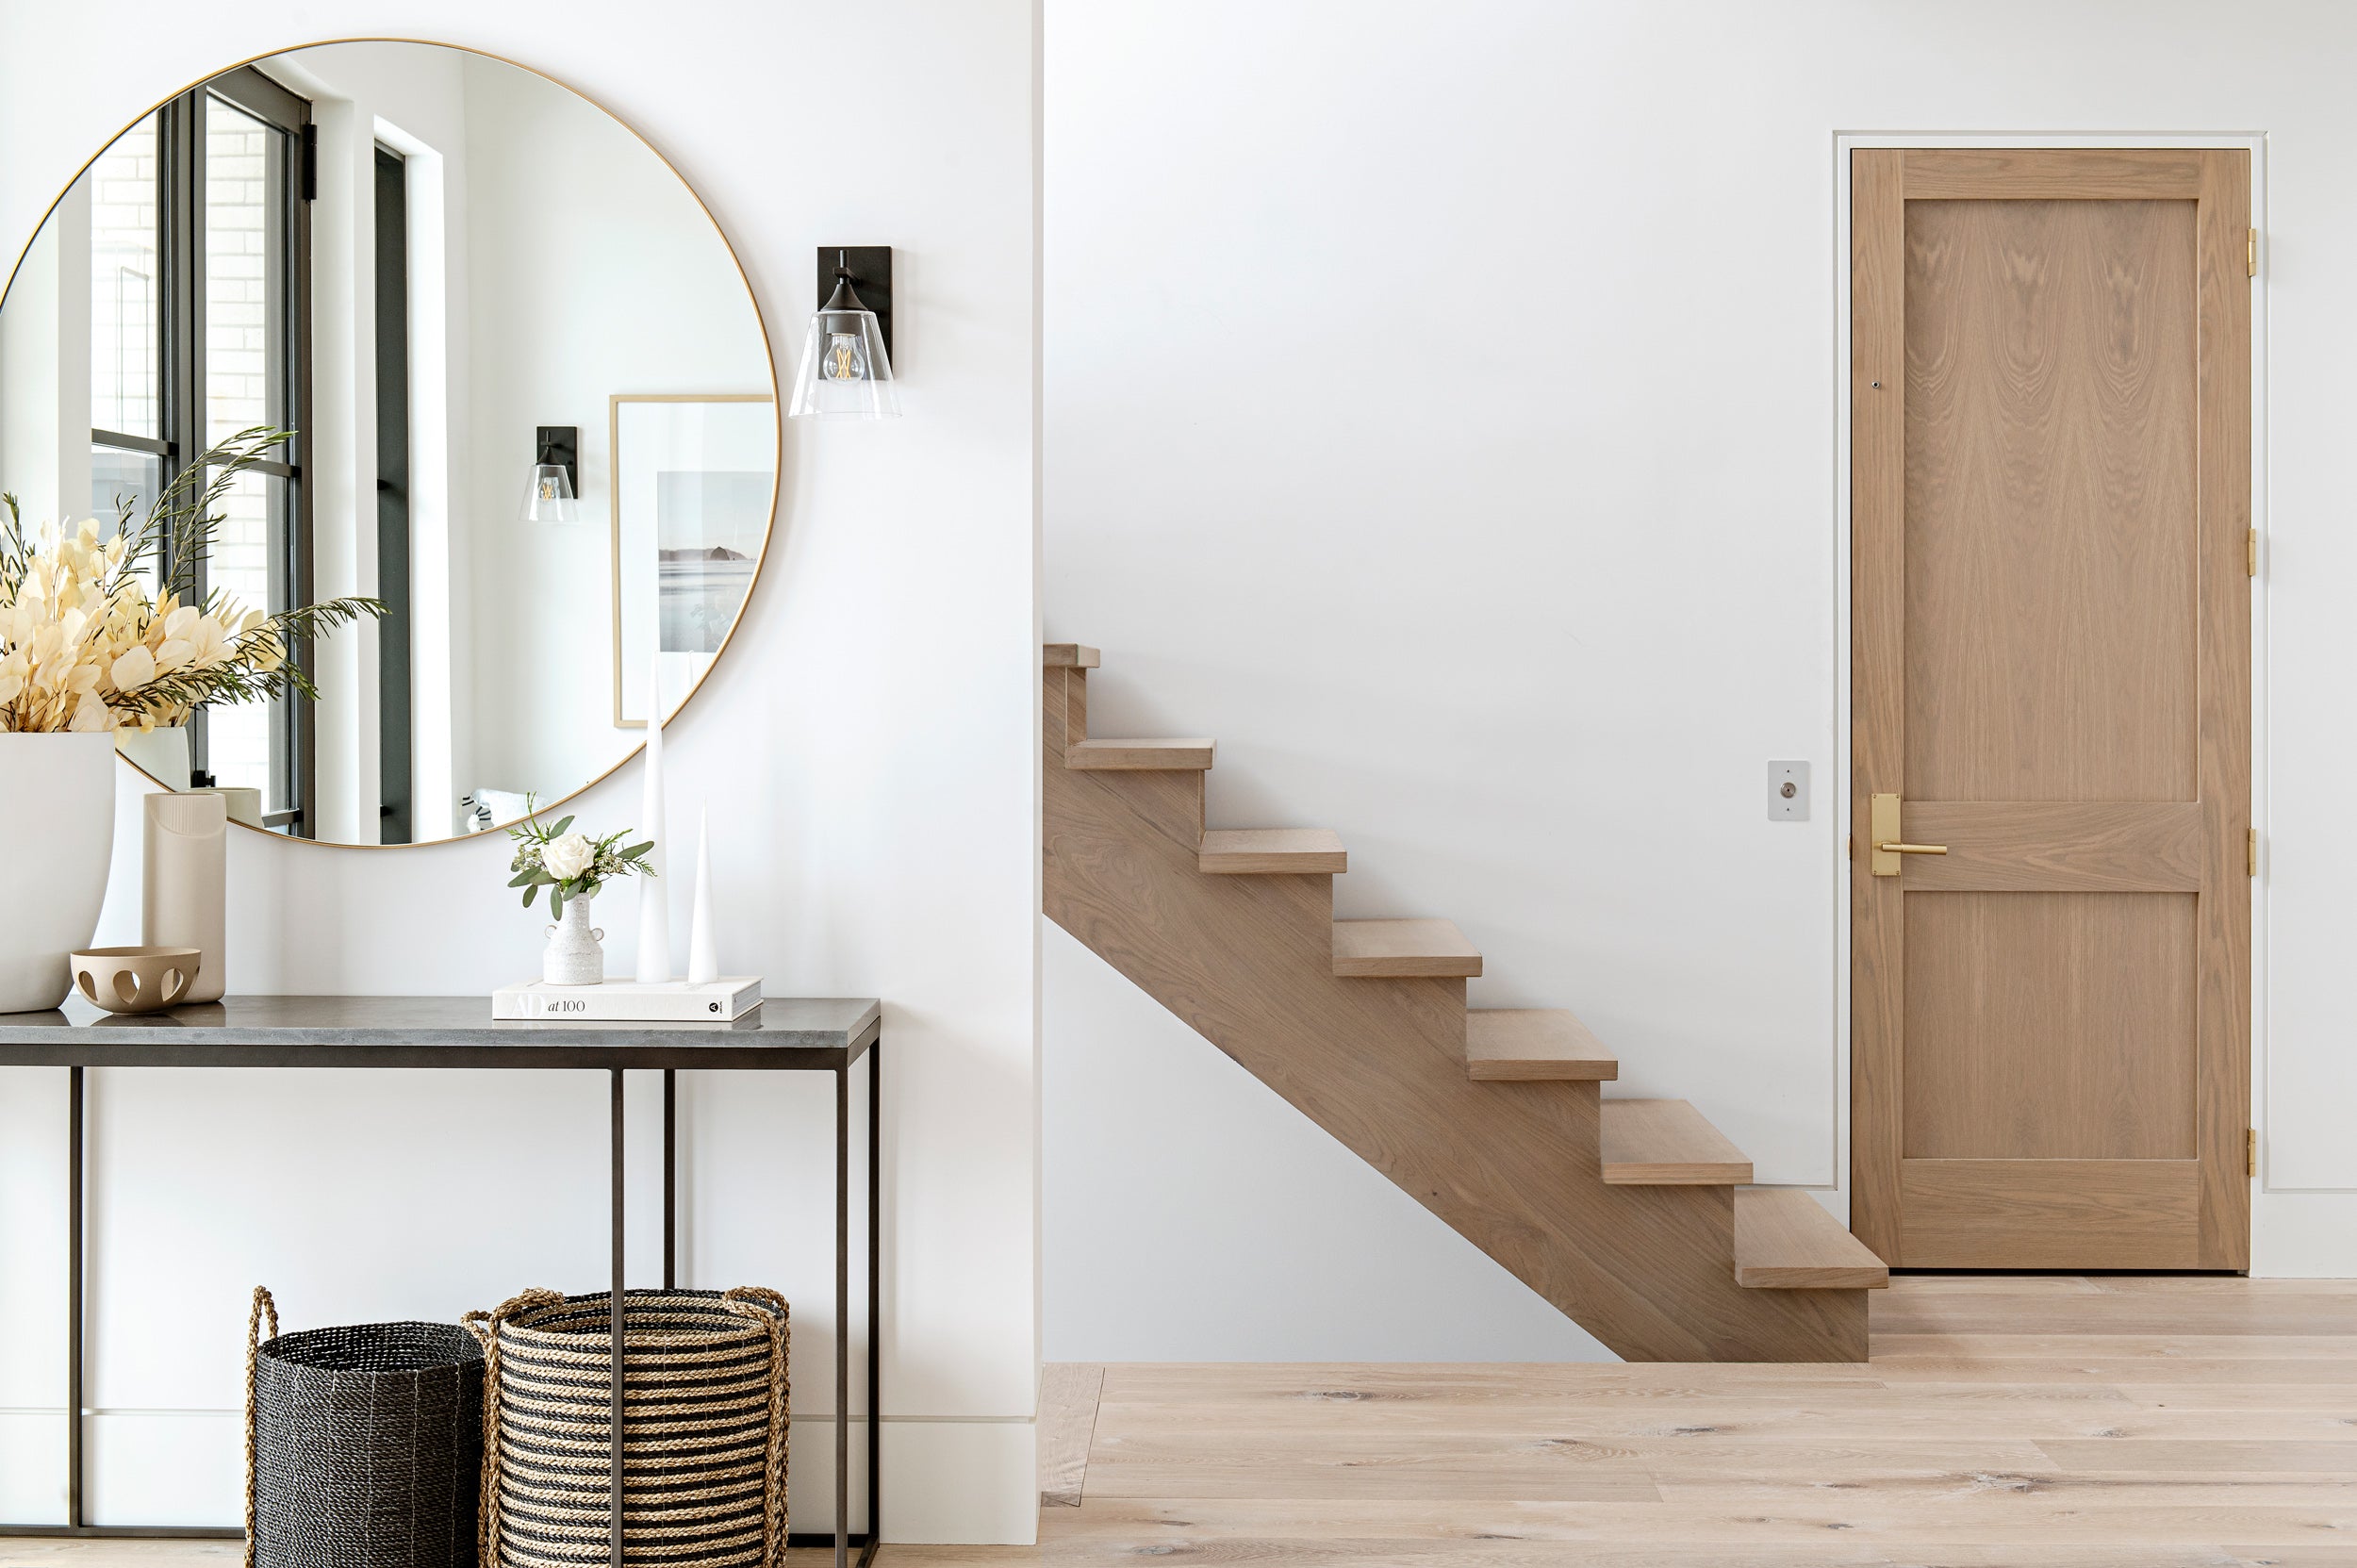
x=532 y=410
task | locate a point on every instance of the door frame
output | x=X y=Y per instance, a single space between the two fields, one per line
x=2255 y=143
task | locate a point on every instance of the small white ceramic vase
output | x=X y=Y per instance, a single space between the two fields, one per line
x=573 y=956
x=184 y=895
x=58 y=820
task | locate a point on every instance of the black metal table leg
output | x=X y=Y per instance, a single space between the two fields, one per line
x=875 y=1338
x=74 y=1297
x=670 y=1179
x=843 y=1316
x=614 y=1328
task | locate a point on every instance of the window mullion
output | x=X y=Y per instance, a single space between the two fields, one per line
x=184 y=411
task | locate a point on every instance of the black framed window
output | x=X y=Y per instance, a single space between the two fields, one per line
x=396 y=721
x=200 y=270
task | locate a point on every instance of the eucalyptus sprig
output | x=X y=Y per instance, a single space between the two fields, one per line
x=568 y=863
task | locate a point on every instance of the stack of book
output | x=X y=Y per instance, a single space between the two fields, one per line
x=669 y=1002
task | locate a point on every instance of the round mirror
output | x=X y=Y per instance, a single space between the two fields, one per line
x=427 y=379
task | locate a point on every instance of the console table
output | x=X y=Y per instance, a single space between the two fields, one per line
x=782 y=1036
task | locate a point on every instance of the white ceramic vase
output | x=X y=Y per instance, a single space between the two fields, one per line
x=58 y=830
x=573 y=956
x=162 y=753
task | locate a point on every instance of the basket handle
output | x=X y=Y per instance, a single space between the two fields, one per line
x=262 y=1303
x=769 y=1307
x=485 y=1327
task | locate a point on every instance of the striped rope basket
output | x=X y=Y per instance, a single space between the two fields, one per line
x=363 y=1444
x=703 y=1429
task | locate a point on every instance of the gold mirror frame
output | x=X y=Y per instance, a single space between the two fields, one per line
x=768 y=353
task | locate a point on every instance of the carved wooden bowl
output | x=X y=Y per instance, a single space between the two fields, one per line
x=135 y=979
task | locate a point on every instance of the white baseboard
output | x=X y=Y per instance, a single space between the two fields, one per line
x=147 y=1467
x=961 y=1482
x=2298 y=1235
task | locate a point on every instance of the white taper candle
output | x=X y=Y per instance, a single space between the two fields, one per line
x=703 y=964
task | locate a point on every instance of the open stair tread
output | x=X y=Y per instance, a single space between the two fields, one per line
x=1069 y=655
x=1403 y=950
x=1667 y=1143
x=1139 y=756
x=1785 y=1239
x=1534 y=1043
x=1272 y=851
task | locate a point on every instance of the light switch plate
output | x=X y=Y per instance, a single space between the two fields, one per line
x=1788 y=792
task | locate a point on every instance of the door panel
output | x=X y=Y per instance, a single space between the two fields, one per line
x=2058 y=846
x=2049 y=1026
x=2050 y=501
x=2049 y=649
x=2047 y=1213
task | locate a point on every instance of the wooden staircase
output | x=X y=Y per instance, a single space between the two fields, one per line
x=1633 y=1216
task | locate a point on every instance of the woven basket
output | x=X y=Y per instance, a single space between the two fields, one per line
x=704 y=1430
x=363 y=1444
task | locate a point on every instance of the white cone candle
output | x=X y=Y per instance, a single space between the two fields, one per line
x=703 y=964
x=655 y=902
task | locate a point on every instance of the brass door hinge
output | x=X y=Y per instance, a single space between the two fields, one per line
x=2254 y=253
x=2250 y=555
x=2250 y=1151
x=2251 y=852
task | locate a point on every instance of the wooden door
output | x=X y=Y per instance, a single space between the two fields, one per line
x=2049 y=637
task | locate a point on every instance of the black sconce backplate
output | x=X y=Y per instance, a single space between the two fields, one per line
x=559 y=443
x=871 y=278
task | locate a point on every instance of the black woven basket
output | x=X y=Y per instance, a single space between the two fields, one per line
x=704 y=1430
x=364 y=1445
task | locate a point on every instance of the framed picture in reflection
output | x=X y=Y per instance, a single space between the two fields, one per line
x=695 y=476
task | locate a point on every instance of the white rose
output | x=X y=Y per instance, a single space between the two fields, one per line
x=567 y=857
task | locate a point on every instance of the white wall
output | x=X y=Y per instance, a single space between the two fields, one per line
x=869 y=750
x=1192 y=1210
x=592 y=271
x=1442 y=407
x=45 y=372
x=31 y=403
x=357 y=92
x=556 y=261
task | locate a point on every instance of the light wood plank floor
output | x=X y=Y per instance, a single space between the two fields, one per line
x=2057 y=1422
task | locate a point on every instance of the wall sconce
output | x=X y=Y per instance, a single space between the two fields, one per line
x=557 y=450
x=847 y=357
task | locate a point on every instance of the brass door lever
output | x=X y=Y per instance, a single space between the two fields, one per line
x=1884 y=833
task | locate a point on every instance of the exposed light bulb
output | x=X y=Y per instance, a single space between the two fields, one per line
x=844 y=360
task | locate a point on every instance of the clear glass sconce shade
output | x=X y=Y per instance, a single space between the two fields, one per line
x=551 y=495
x=845 y=374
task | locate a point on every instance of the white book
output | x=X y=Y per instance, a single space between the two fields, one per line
x=669 y=1002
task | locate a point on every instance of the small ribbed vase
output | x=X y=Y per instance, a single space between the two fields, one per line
x=573 y=956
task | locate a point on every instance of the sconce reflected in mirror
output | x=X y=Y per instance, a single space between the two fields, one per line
x=550 y=497
x=847 y=356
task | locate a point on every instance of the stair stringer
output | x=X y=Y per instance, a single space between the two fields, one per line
x=1378 y=1064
